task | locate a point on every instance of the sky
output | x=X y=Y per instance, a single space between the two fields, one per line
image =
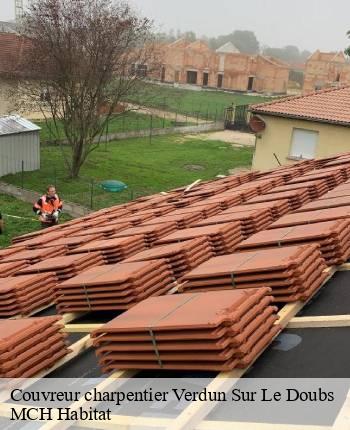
x=308 y=24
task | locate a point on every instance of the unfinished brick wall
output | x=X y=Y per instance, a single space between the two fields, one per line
x=195 y=63
x=324 y=70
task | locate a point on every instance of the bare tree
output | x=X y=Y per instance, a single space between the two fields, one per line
x=83 y=55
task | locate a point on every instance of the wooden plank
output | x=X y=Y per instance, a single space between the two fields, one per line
x=320 y=321
x=81 y=328
x=189 y=188
x=71 y=316
x=344 y=267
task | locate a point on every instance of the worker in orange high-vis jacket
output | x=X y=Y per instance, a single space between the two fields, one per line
x=48 y=207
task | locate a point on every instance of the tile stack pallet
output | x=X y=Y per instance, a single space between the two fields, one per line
x=28 y=346
x=181 y=257
x=315 y=188
x=218 y=331
x=9 y=269
x=223 y=238
x=20 y=295
x=277 y=208
x=67 y=266
x=250 y=221
x=33 y=256
x=332 y=236
x=310 y=217
x=296 y=198
x=151 y=233
x=114 y=287
x=114 y=250
x=293 y=273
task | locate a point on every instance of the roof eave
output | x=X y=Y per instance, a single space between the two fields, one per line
x=302 y=118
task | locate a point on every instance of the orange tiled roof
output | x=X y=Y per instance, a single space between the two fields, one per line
x=330 y=106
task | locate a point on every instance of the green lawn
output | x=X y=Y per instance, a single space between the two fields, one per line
x=128 y=121
x=165 y=163
x=17 y=226
x=205 y=103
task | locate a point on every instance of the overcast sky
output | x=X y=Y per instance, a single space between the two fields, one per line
x=309 y=24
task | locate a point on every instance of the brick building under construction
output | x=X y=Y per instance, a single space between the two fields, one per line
x=196 y=64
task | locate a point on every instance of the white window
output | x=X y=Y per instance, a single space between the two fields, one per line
x=304 y=143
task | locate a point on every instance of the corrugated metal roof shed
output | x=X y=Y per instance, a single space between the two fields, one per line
x=15 y=124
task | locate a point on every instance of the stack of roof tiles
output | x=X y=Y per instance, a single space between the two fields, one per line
x=114 y=250
x=182 y=220
x=277 y=208
x=296 y=198
x=293 y=273
x=67 y=266
x=251 y=221
x=7 y=252
x=310 y=217
x=133 y=219
x=332 y=236
x=181 y=257
x=315 y=188
x=151 y=233
x=11 y=268
x=28 y=346
x=206 y=209
x=21 y=295
x=114 y=287
x=223 y=238
x=333 y=178
x=73 y=242
x=216 y=331
x=33 y=256
x=105 y=231
x=339 y=191
x=325 y=203
x=226 y=200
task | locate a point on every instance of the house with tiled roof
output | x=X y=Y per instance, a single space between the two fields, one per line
x=302 y=127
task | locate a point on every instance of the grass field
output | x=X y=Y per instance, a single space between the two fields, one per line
x=146 y=168
x=17 y=226
x=130 y=121
x=205 y=103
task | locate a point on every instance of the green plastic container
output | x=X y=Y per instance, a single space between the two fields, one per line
x=113 y=186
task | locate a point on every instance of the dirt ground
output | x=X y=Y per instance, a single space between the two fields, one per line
x=237 y=138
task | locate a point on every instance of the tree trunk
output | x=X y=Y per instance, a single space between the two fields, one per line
x=77 y=160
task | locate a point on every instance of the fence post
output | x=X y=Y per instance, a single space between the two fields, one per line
x=92 y=194
x=123 y=125
x=197 y=116
x=106 y=135
x=150 y=129
x=175 y=119
x=216 y=113
x=22 y=175
x=55 y=176
x=164 y=120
